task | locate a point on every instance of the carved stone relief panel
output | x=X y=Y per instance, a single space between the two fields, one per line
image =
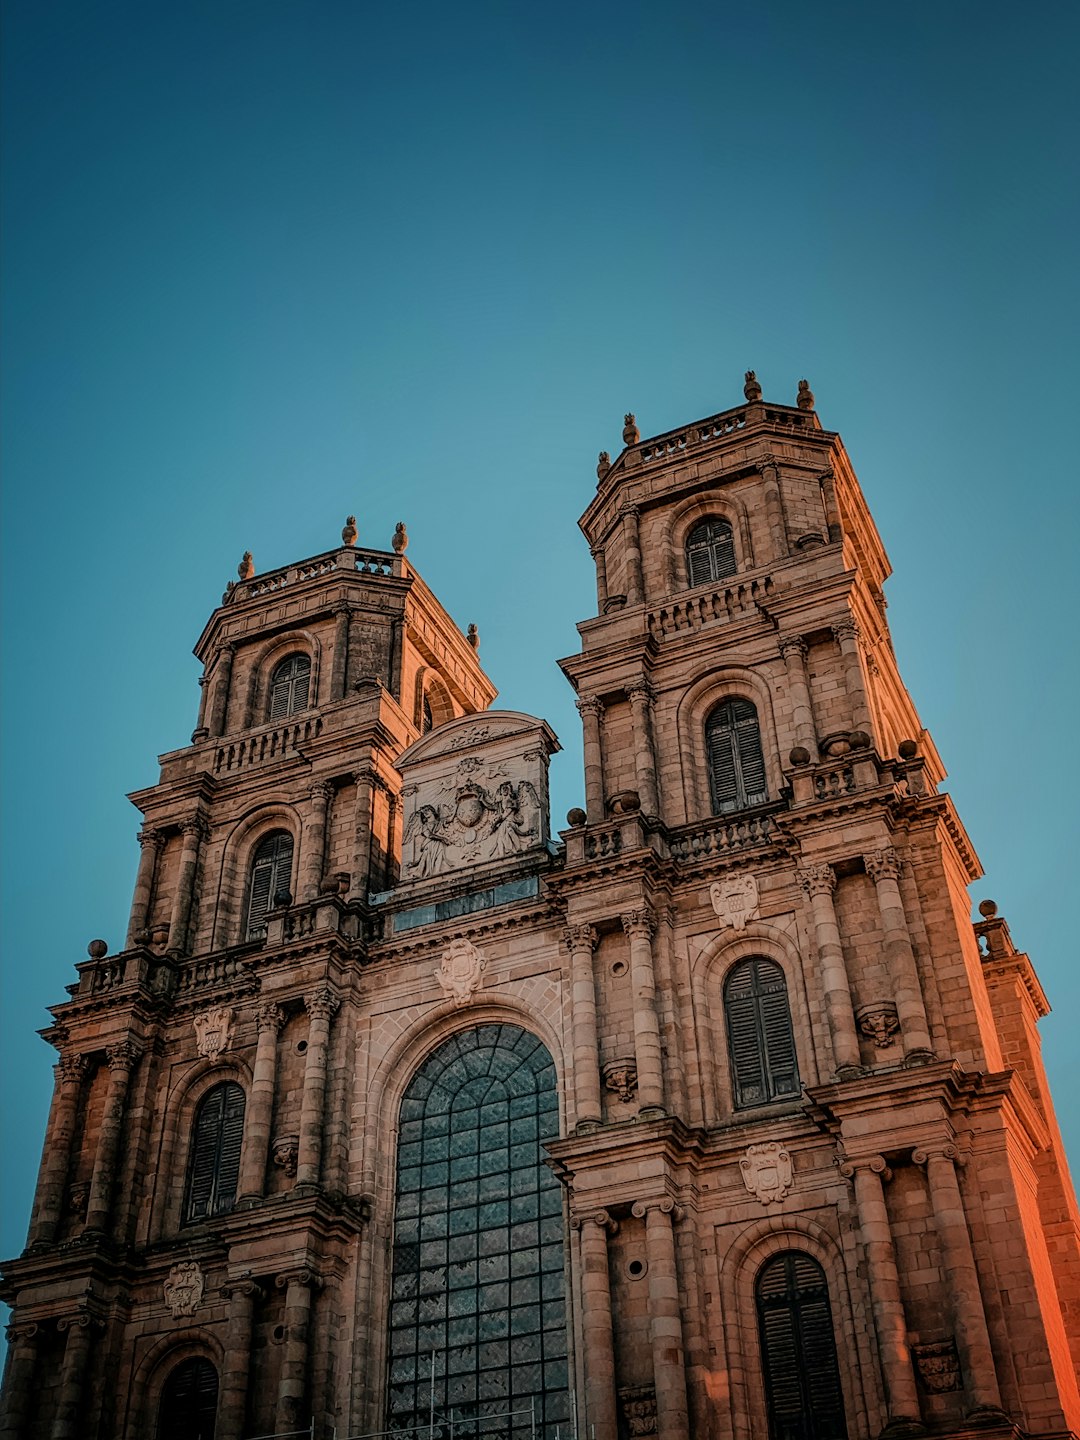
x=938 y=1366
x=213 y=1031
x=183 y=1288
x=766 y=1171
x=460 y=970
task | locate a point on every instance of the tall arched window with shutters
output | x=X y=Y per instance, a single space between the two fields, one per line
x=214 y=1166
x=710 y=552
x=760 y=1039
x=736 y=760
x=289 y=687
x=188 y=1406
x=798 y=1350
x=271 y=874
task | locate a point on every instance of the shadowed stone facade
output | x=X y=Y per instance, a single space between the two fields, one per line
x=712 y=1115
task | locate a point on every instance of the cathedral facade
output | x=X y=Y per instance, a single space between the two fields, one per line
x=709 y=1115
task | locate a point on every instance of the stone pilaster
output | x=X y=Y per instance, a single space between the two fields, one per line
x=150 y=846
x=260 y=1108
x=69 y=1421
x=340 y=664
x=883 y=867
x=641 y=696
x=635 y=579
x=847 y=635
x=122 y=1059
x=793 y=649
x=321 y=1005
x=220 y=684
x=601 y=578
x=236 y=1365
x=591 y=710
x=16 y=1403
x=901 y=1394
x=56 y=1158
x=365 y=794
x=640 y=926
x=665 y=1318
x=315 y=840
x=581 y=942
x=299 y=1288
x=819 y=882
x=193 y=832
x=601 y=1418
x=774 y=509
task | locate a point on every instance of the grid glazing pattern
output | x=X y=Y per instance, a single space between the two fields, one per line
x=478 y=1278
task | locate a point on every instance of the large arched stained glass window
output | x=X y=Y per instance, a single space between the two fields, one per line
x=478 y=1311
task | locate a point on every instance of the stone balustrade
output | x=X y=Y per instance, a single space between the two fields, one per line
x=677 y=442
x=698 y=609
x=262 y=746
x=722 y=835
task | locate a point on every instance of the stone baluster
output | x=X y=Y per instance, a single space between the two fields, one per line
x=793 y=649
x=847 y=635
x=340 y=664
x=69 y=1422
x=56 y=1157
x=635 y=580
x=819 y=882
x=321 y=1006
x=601 y=578
x=236 y=1365
x=774 y=509
x=260 y=1109
x=961 y=1281
x=641 y=696
x=222 y=679
x=883 y=867
x=292 y=1383
x=601 y=1419
x=150 y=846
x=193 y=832
x=581 y=942
x=591 y=710
x=122 y=1059
x=315 y=840
x=901 y=1394
x=665 y=1318
x=640 y=925
x=365 y=794
x=18 y=1394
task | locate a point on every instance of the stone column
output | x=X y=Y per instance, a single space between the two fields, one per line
x=962 y=1281
x=150 y=843
x=122 y=1059
x=793 y=649
x=260 y=1108
x=69 y=1422
x=321 y=1005
x=581 y=942
x=883 y=867
x=901 y=1394
x=180 y=920
x=56 y=1159
x=774 y=509
x=665 y=1321
x=832 y=510
x=847 y=637
x=236 y=1366
x=219 y=700
x=819 y=882
x=640 y=926
x=340 y=664
x=601 y=579
x=393 y=805
x=365 y=787
x=635 y=580
x=600 y=1420
x=591 y=710
x=292 y=1382
x=641 y=696
x=315 y=840
x=18 y=1394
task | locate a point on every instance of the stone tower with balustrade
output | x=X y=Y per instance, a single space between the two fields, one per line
x=712 y=1116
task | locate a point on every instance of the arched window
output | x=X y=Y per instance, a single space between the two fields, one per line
x=289 y=686
x=188 y=1404
x=710 y=552
x=478 y=1262
x=271 y=872
x=214 y=1166
x=798 y=1350
x=736 y=762
x=760 y=1040
x=427 y=719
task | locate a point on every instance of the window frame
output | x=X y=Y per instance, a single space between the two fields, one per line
x=829 y=1422
x=744 y=738
x=291 y=708
x=779 y=1081
x=720 y=566
x=255 y=932
x=226 y=1143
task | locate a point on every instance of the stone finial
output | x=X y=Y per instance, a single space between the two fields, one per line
x=246 y=568
x=400 y=541
x=907 y=749
x=348 y=530
x=472 y=636
x=603 y=464
x=97 y=949
x=988 y=909
x=631 y=434
x=576 y=817
x=752 y=390
x=805 y=397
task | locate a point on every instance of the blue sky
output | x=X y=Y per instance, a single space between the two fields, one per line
x=269 y=264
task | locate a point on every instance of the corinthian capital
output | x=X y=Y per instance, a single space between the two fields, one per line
x=321 y=791
x=590 y=705
x=580 y=937
x=643 y=691
x=270 y=1017
x=73 y=1069
x=882 y=864
x=817 y=879
x=150 y=839
x=846 y=630
x=792 y=645
x=640 y=924
x=322 y=1004
x=194 y=828
x=124 y=1055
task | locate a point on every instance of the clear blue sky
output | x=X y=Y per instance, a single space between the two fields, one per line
x=269 y=264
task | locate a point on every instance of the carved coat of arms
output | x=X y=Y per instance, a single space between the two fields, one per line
x=183 y=1288
x=460 y=971
x=735 y=901
x=766 y=1171
x=213 y=1031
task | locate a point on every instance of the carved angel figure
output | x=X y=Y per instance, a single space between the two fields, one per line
x=426 y=843
x=516 y=825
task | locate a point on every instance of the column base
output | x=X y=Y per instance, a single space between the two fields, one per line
x=586 y=1126
x=902 y=1425
x=652 y=1112
x=918 y=1057
x=850 y=1072
x=987 y=1415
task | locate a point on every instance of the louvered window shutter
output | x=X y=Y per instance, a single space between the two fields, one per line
x=188 y=1408
x=232 y=1139
x=760 y=1038
x=802 y=1379
x=710 y=552
x=204 y=1154
x=736 y=759
x=780 y=1064
x=751 y=760
x=271 y=872
x=289 y=687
